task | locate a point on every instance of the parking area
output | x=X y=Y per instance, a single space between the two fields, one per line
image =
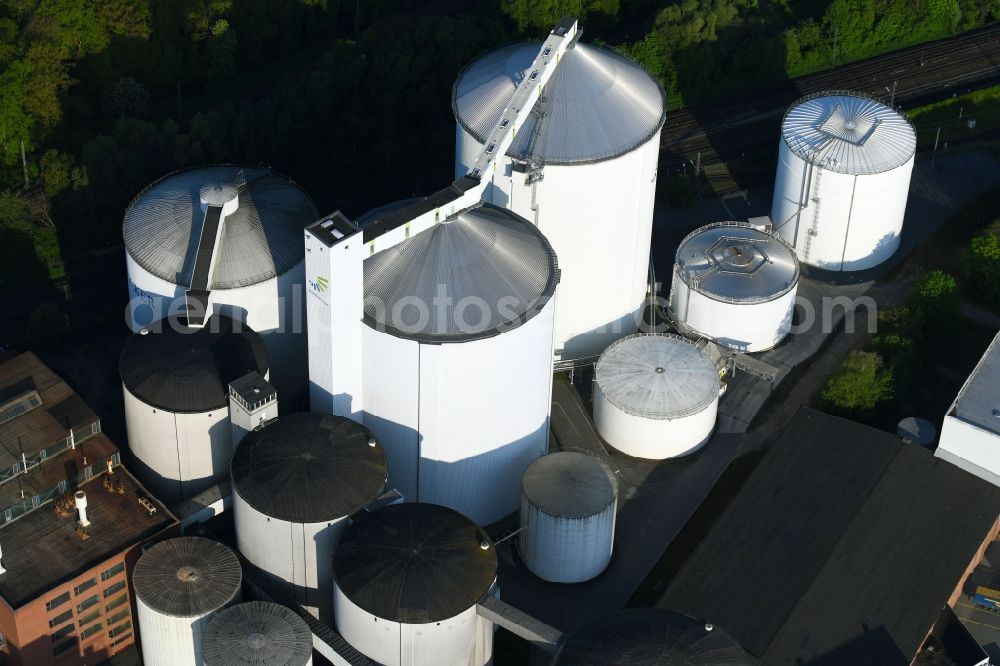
x=984 y=625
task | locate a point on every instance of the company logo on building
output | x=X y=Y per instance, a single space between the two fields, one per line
x=320 y=284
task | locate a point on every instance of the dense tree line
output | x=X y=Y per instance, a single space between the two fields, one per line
x=348 y=97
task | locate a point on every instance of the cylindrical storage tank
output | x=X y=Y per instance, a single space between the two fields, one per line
x=257 y=633
x=651 y=637
x=457 y=358
x=295 y=483
x=735 y=283
x=568 y=505
x=176 y=387
x=179 y=585
x=655 y=396
x=583 y=169
x=258 y=271
x=407 y=579
x=844 y=164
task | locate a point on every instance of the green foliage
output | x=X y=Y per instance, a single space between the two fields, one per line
x=56 y=171
x=533 y=16
x=860 y=384
x=983 y=266
x=26 y=249
x=935 y=301
x=900 y=354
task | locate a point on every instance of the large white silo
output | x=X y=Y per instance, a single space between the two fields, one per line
x=651 y=637
x=407 y=579
x=257 y=633
x=251 y=269
x=567 y=521
x=175 y=381
x=655 y=396
x=735 y=283
x=844 y=165
x=179 y=585
x=583 y=169
x=295 y=484
x=457 y=359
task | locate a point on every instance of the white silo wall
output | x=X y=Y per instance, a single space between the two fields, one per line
x=857 y=219
x=460 y=422
x=565 y=550
x=184 y=453
x=274 y=308
x=748 y=327
x=301 y=554
x=170 y=641
x=598 y=216
x=653 y=439
x=463 y=640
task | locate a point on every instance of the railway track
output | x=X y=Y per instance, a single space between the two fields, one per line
x=724 y=132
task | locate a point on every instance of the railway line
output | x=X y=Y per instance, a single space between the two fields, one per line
x=725 y=133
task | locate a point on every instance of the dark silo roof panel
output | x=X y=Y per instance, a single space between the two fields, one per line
x=187 y=577
x=256 y=633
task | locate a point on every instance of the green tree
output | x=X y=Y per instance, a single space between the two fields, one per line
x=537 y=15
x=983 y=267
x=935 y=301
x=860 y=384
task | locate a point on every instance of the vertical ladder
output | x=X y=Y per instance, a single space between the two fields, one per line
x=814 y=227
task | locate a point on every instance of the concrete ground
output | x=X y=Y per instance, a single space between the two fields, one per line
x=983 y=625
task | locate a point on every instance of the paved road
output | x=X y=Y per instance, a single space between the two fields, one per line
x=983 y=625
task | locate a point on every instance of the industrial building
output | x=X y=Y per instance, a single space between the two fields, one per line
x=735 y=283
x=176 y=383
x=73 y=523
x=970 y=434
x=651 y=637
x=179 y=586
x=296 y=483
x=655 y=396
x=582 y=168
x=256 y=633
x=407 y=581
x=843 y=177
x=843 y=546
x=224 y=240
x=567 y=522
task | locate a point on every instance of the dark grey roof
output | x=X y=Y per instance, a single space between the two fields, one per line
x=257 y=633
x=183 y=369
x=651 y=637
x=414 y=563
x=597 y=105
x=490 y=266
x=844 y=542
x=187 y=577
x=260 y=239
x=253 y=388
x=374 y=214
x=570 y=484
x=309 y=468
x=736 y=262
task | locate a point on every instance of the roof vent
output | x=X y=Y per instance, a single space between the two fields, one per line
x=371 y=441
x=709 y=626
x=80 y=498
x=484 y=545
x=2 y=570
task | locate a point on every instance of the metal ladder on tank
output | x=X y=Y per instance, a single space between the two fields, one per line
x=813 y=229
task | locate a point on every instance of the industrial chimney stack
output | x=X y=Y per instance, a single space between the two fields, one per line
x=81 y=505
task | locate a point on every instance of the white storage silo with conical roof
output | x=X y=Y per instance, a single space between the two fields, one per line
x=227 y=240
x=457 y=359
x=844 y=165
x=257 y=633
x=583 y=169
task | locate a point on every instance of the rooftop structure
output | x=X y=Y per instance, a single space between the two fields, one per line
x=257 y=633
x=970 y=434
x=844 y=544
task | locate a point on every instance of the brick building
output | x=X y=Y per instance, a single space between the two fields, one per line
x=64 y=591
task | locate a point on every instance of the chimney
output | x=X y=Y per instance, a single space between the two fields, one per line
x=81 y=505
x=2 y=570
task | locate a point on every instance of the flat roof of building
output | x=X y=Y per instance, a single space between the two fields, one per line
x=37 y=409
x=42 y=549
x=978 y=402
x=842 y=547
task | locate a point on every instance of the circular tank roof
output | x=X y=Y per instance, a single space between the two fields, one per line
x=735 y=262
x=848 y=133
x=570 y=484
x=597 y=104
x=478 y=274
x=917 y=430
x=309 y=468
x=657 y=376
x=188 y=370
x=414 y=563
x=260 y=239
x=187 y=577
x=256 y=633
x=651 y=637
